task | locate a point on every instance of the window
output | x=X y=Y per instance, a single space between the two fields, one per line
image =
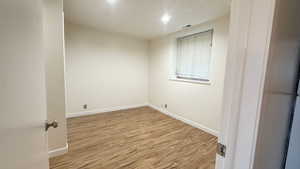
x=193 y=57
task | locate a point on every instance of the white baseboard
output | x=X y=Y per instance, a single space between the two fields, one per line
x=187 y=121
x=59 y=151
x=104 y=110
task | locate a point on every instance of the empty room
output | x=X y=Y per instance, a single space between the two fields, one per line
x=140 y=84
x=142 y=89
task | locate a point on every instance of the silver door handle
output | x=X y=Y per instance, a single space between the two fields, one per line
x=53 y=124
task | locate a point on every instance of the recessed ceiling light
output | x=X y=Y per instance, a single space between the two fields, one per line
x=166 y=18
x=112 y=2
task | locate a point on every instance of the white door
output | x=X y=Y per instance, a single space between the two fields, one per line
x=23 y=140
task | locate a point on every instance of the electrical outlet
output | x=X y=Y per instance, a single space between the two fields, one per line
x=85 y=106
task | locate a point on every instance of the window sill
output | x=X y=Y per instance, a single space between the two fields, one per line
x=190 y=81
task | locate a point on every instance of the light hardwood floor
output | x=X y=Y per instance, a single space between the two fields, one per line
x=141 y=138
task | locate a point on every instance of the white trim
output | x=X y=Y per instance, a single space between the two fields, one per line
x=104 y=110
x=59 y=151
x=250 y=27
x=257 y=53
x=240 y=14
x=196 y=29
x=174 y=78
x=185 y=120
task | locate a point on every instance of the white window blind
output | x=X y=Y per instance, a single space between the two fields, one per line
x=194 y=56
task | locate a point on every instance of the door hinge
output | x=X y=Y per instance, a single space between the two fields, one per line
x=221 y=149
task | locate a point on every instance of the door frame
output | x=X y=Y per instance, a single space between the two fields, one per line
x=250 y=35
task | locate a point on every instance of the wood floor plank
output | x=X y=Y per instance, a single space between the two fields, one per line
x=140 y=138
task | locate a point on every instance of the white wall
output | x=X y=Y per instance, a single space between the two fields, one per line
x=281 y=77
x=55 y=82
x=200 y=103
x=104 y=70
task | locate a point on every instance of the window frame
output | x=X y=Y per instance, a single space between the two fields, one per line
x=173 y=76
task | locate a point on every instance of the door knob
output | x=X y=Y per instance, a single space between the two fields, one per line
x=53 y=124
